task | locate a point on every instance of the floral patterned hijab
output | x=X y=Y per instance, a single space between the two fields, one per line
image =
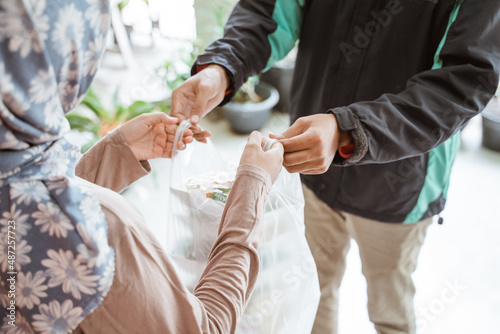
x=55 y=262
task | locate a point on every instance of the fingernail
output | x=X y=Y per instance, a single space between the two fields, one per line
x=195 y=119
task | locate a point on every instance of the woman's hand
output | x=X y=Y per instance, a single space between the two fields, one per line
x=151 y=136
x=270 y=160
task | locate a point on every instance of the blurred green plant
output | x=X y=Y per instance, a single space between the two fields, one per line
x=108 y=119
x=247 y=92
x=122 y=4
x=174 y=72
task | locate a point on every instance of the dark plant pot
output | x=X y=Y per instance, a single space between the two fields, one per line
x=249 y=116
x=281 y=78
x=491 y=125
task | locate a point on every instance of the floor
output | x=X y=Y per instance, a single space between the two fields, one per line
x=458 y=276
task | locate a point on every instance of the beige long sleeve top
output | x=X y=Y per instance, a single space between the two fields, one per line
x=147 y=295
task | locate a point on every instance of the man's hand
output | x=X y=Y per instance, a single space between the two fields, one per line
x=270 y=161
x=151 y=136
x=198 y=95
x=311 y=143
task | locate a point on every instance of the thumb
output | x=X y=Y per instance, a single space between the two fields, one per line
x=275 y=136
x=296 y=129
x=199 y=105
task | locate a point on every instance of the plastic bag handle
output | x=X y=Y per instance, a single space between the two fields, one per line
x=268 y=142
x=185 y=124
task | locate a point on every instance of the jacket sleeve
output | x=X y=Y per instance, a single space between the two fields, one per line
x=437 y=103
x=110 y=163
x=257 y=34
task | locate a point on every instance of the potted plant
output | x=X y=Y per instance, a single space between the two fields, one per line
x=251 y=106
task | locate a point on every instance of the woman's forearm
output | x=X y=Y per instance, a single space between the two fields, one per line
x=233 y=264
x=110 y=163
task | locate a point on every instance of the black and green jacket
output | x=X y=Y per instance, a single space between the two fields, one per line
x=404 y=76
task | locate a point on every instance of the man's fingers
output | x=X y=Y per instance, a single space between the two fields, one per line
x=298 y=158
x=308 y=168
x=196 y=129
x=312 y=167
x=296 y=137
x=200 y=103
x=275 y=136
x=301 y=142
x=182 y=100
x=195 y=119
x=315 y=171
x=202 y=136
x=298 y=127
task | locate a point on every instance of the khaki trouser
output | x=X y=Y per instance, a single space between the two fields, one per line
x=388 y=252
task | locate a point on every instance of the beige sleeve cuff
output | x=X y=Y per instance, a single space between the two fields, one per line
x=118 y=141
x=110 y=163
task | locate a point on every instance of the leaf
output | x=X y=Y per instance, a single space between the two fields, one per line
x=116 y=98
x=138 y=108
x=122 y=4
x=82 y=123
x=121 y=113
x=93 y=102
x=163 y=106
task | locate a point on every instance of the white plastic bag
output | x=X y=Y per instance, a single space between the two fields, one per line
x=286 y=294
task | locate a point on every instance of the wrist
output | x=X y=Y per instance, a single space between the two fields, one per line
x=224 y=78
x=341 y=137
x=119 y=138
x=222 y=73
x=344 y=141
